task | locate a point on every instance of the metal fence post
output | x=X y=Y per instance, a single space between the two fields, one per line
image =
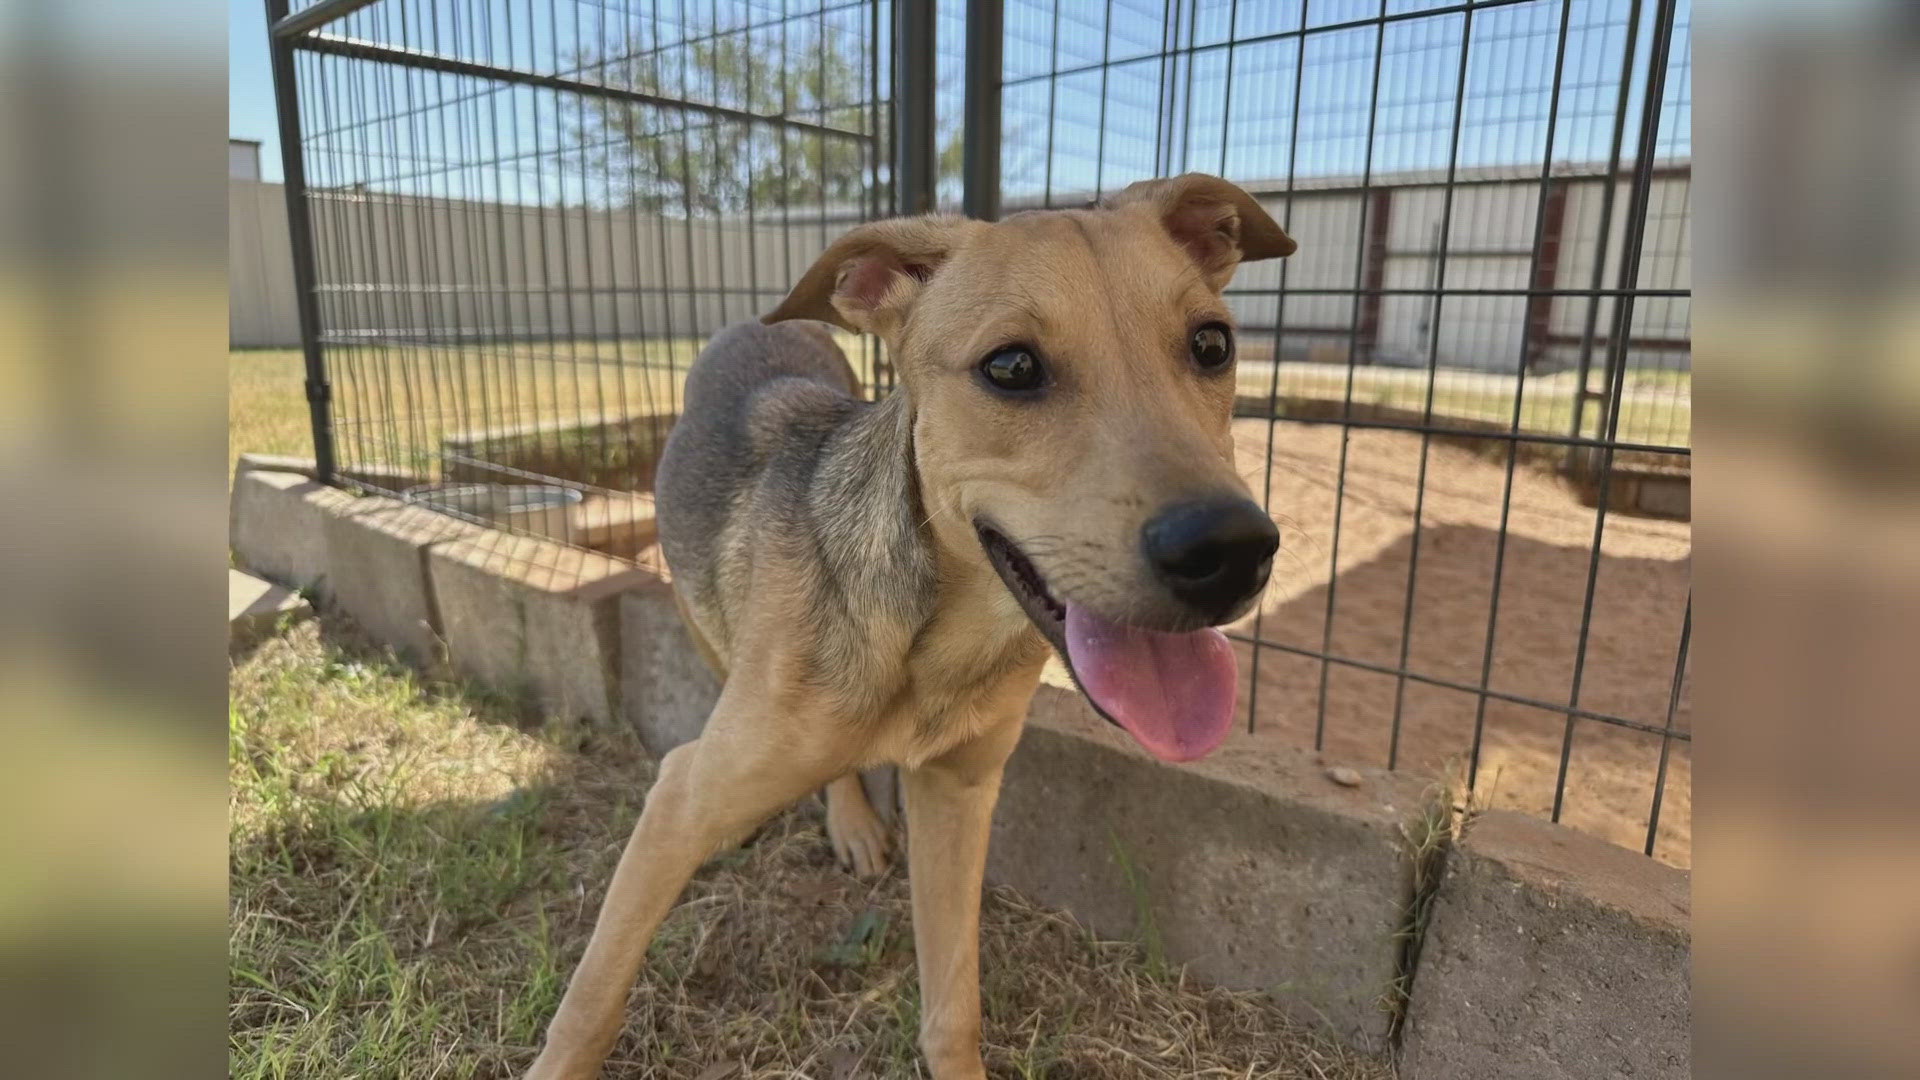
x=1580 y=460
x=914 y=163
x=300 y=238
x=980 y=146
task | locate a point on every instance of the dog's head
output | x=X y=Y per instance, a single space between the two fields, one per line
x=1071 y=375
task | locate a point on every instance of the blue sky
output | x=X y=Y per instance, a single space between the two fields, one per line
x=250 y=83
x=1508 y=79
x=1508 y=83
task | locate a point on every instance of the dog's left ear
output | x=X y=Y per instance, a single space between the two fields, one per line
x=868 y=279
x=1216 y=222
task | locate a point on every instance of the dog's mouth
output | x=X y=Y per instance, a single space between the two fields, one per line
x=1173 y=692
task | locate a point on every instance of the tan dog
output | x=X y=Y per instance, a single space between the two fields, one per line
x=881 y=582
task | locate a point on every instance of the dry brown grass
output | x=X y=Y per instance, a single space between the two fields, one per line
x=392 y=405
x=1657 y=406
x=266 y=409
x=415 y=867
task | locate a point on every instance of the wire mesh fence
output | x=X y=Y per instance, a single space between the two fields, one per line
x=1488 y=321
x=1467 y=398
x=526 y=217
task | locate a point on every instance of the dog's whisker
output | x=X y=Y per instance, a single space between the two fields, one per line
x=1312 y=541
x=1297 y=560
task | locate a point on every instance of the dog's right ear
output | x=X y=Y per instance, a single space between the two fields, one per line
x=868 y=279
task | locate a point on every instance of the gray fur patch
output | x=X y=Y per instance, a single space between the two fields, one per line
x=774 y=455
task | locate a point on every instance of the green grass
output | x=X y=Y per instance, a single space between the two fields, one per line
x=415 y=866
x=385 y=857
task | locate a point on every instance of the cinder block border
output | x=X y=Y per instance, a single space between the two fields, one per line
x=256 y=608
x=1546 y=952
x=377 y=552
x=533 y=618
x=276 y=526
x=1551 y=953
x=378 y=477
x=667 y=687
x=528 y=617
x=1256 y=870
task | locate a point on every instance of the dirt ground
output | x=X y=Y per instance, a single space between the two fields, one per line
x=1639 y=602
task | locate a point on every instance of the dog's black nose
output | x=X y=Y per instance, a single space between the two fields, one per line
x=1213 y=554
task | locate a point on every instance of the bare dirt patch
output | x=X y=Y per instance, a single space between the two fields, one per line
x=1639 y=601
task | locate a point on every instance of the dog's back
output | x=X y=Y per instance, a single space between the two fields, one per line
x=759 y=400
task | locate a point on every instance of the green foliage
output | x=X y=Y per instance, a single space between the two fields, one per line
x=669 y=160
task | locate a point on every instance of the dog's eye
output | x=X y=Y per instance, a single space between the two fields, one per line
x=1212 y=346
x=1013 y=369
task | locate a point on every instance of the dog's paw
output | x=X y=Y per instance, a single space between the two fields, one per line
x=860 y=839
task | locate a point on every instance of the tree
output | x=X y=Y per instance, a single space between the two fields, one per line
x=669 y=160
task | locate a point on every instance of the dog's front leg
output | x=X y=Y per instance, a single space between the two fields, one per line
x=949 y=812
x=710 y=791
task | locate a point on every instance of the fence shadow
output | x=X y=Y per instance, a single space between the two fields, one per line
x=1630 y=652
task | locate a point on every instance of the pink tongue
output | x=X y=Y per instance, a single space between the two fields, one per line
x=1172 y=692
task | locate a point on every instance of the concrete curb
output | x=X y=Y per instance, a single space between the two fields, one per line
x=1548 y=953
x=276 y=525
x=1256 y=871
x=256 y=608
x=1551 y=954
x=377 y=554
x=379 y=477
x=533 y=617
x=667 y=687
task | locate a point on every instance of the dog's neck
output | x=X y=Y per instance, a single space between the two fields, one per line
x=927 y=628
x=867 y=502
x=888 y=543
